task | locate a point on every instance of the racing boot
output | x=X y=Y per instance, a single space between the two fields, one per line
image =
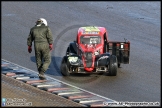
x=41 y=75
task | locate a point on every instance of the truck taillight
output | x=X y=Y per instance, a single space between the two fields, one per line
x=122 y=45
x=126 y=49
x=117 y=45
x=126 y=46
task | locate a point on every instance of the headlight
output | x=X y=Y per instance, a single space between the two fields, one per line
x=73 y=59
x=97 y=52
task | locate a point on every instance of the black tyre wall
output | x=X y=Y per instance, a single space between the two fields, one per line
x=113 y=66
x=64 y=68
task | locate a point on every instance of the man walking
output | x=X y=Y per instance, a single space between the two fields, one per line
x=43 y=43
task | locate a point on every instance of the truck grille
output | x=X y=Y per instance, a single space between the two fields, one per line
x=88 y=57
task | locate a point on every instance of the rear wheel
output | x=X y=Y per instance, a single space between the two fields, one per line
x=112 y=71
x=118 y=65
x=64 y=68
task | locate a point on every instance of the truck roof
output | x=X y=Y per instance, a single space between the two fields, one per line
x=91 y=30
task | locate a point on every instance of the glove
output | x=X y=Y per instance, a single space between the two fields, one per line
x=29 y=49
x=50 y=46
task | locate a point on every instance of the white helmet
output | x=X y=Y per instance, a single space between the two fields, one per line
x=42 y=20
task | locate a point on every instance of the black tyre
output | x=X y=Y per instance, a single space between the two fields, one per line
x=112 y=71
x=118 y=65
x=64 y=68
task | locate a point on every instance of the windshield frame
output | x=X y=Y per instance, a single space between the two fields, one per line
x=93 y=39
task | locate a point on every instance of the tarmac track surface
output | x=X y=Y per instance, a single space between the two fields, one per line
x=138 y=22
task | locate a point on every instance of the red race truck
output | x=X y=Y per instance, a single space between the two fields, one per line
x=92 y=52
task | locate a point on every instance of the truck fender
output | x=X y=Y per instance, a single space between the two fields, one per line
x=102 y=60
x=72 y=49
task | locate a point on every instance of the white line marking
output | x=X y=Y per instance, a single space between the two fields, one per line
x=25 y=77
x=72 y=92
x=47 y=85
x=89 y=101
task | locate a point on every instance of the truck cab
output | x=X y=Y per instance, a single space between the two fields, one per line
x=92 y=52
x=91 y=40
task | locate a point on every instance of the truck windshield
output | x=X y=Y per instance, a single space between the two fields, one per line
x=90 y=39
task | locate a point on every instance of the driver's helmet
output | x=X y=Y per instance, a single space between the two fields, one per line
x=41 y=21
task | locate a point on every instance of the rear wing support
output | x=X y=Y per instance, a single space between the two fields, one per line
x=121 y=50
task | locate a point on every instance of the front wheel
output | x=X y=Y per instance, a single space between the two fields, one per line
x=112 y=68
x=118 y=65
x=64 y=68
